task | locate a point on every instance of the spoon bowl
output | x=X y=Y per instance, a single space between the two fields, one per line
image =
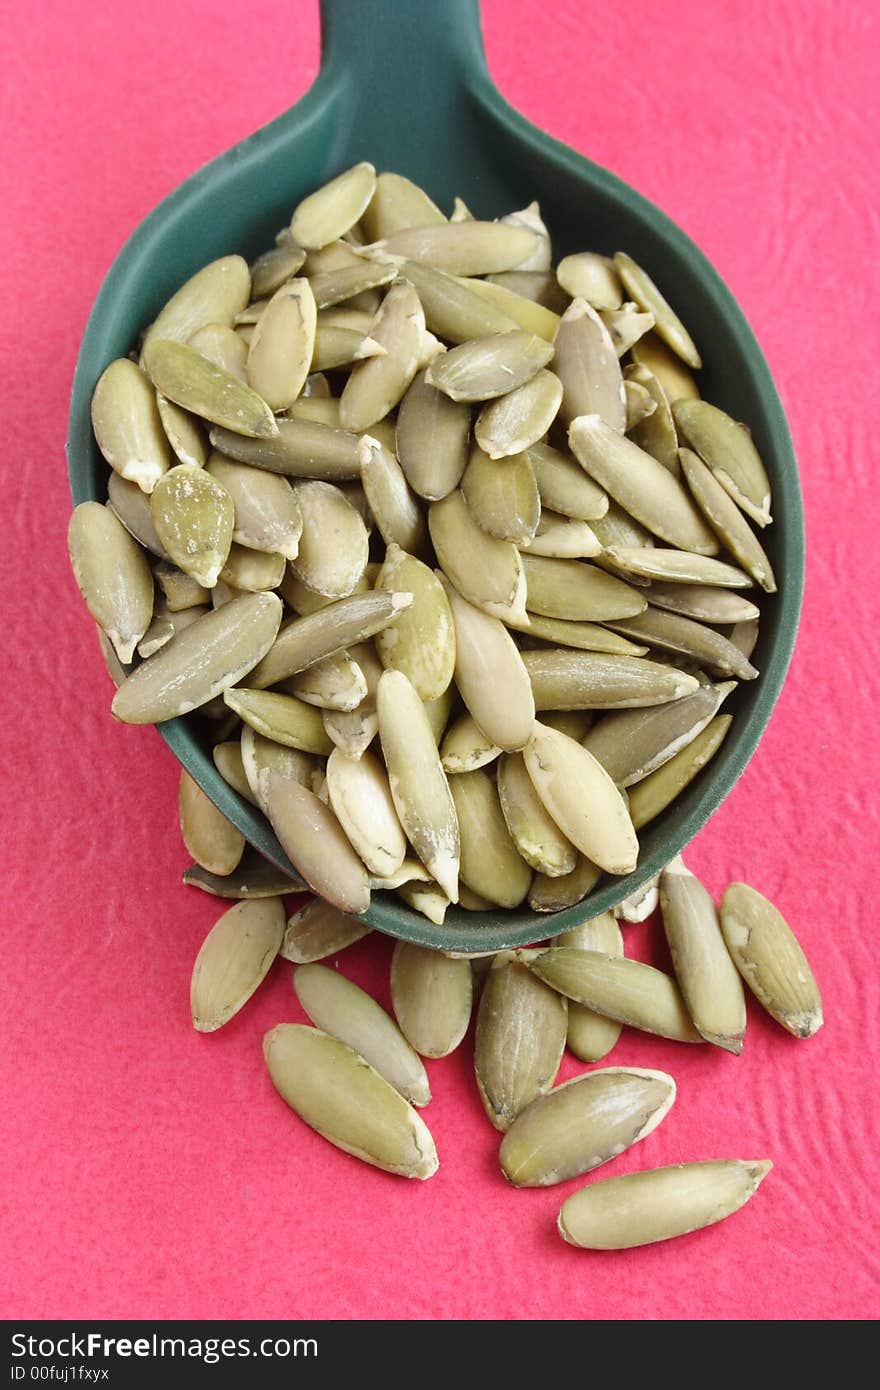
x=406 y=87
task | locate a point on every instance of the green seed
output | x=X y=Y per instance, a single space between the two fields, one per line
x=490 y=863
x=770 y=959
x=112 y=575
x=128 y=425
x=669 y=326
x=318 y=930
x=586 y=363
x=200 y=386
x=234 y=960
x=333 y=209
x=315 y=843
x=728 y=450
x=625 y=990
x=194 y=519
x=707 y=976
x=591 y=1036
x=213 y=841
x=502 y=496
x=652 y=795
x=519 y=1041
x=282 y=718
x=432 y=998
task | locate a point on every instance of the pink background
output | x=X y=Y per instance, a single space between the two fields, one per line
x=150 y=1172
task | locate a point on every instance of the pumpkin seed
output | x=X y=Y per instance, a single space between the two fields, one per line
x=200 y=386
x=132 y=508
x=705 y=972
x=432 y=998
x=395 y=508
x=583 y=1123
x=586 y=363
x=626 y=326
x=502 y=496
x=631 y=744
x=538 y=839
x=676 y=379
x=180 y=590
x=334 y=683
x=410 y=871
x=234 y=959
x=271 y=270
x=518 y=420
x=585 y=636
x=672 y=632
x=484 y=368
x=625 y=990
x=194 y=519
x=553 y=894
x=304 y=641
x=519 y=1042
x=215 y=294
x=354 y=730
x=267 y=514
x=486 y=571
x=460 y=212
x=540 y=286
x=465 y=747
x=283 y=344
x=530 y=218
x=252 y=570
x=128 y=426
x=658 y=1204
x=331 y=569
x=641 y=485
x=224 y=347
x=562 y=538
x=564 y=486
x=591 y=1036
x=669 y=326
x=655 y=432
x=520 y=310
x=462 y=248
x=677 y=566
x=342 y=1009
x=490 y=863
x=361 y=797
x=568 y=589
x=227 y=760
x=565 y=679
x=254 y=878
x=318 y=930
x=580 y=797
x=112 y=574
x=302 y=449
x=654 y=793
x=315 y=842
x=213 y=841
x=259 y=753
x=639 y=404
x=421 y=643
x=454 y=308
x=183 y=431
x=396 y=203
x=490 y=675
x=282 y=718
x=340 y=347
x=426 y=898
x=728 y=450
x=770 y=959
x=438 y=712
x=333 y=209
x=377 y=385
x=432 y=435
x=344 y=282
x=419 y=788
x=703 y=602
x=574 y=722
x=593 y=278
x=726 y=519
x=744 y=636
x=163 y=627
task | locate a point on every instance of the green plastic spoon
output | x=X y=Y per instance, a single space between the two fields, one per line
x=405 y=85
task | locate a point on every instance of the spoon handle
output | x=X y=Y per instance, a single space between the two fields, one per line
x=402 y=66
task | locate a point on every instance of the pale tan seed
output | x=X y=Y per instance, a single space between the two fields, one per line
x=428 y=899
x=252 y=571
x=726 y=519
x=564 y=679
x=347 y=1102
x=456 y=309
x=488 y=367
x=318 y=930
x=655 y=432
x=421 y=642
x=589 y=637
x=128 y=426
x=471 y=902
x=418 y=783
x=580 y=797
x=537 y=837
x=625 y=990
x=163 y=626
x=411 y=871
x=342 y=1009
x=432 y=998
x=343 y=283
x=502 y=496
x=652 y=795
x=112 y=574
x=259 y=753
x=334 y=683
x=744 y=636
x=571 y=590
x=708 y=979
x=194 y=519
x=354 y=730
x=562 y=538
x=273 y=268
x=323 y=410
x=432 y=439
x=641 y=485
x=181 y=591
x=227 y=760
x=377 y=385
x=281 y=349
x=770 y=959
x=234 y=959
x=282 y=718
x=315 y=843
x=212 y=840
x=727 y=448
x=593 y=278
x=361 y=798
x=575 y=722
x=215 y=294
x=490 y=863
x=673 y=633
x=490 y=674
x=540 y=286
x=341 y=317
x=267 y=514
x=563 y=485
x=521 y=310
x=341 y=347
x=224 y=347
x=334 y=545
x=395 y=508
x=200 y=386
x=438 y=712
x=519 y=1043
x=463 y=248
x=302 y=449
x=640 y=405
x=486 y=571
x=465 y=747
x=631 y=744
x=553 y=894
x=460 y=211
x=396 y=203
x=132 y=508
x=583 y=1123
x=617 y=527
x=658 y=1204
x=521 y=418
x=530 y=217
x=703 y=602
x=254 y=878
x=677 y=566
x=591 y=1036
x=669 y=326
x=626 y=326
x=586 y=363
x=333 y=209
x=332 y=628
x=676 y=379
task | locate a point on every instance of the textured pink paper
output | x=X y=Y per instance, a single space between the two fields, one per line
x=146 y=1171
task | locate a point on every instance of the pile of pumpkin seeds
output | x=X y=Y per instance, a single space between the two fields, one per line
x=400 y=477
